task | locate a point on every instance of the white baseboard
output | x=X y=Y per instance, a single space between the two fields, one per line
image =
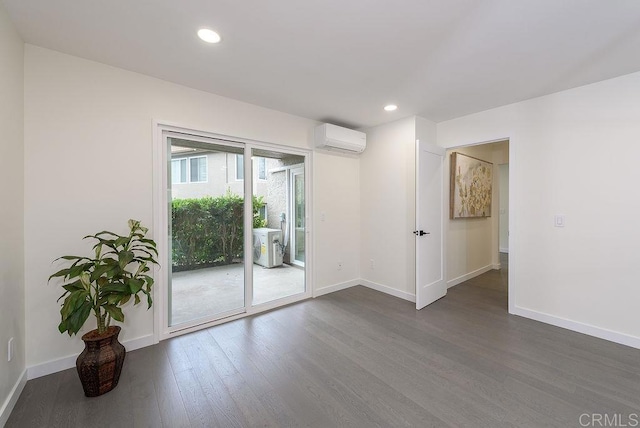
x=12 y=399
x=496 y=266
x=65 y=363
x=590 y=330
x=336 y=287
x=455 y=281
x=389 y=290
x=503 y=250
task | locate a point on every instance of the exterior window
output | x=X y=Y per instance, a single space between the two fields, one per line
x=262 y=212
x=239 y=167
x=262 y=168
x=189 y=170
x=178 y=171
x=198 y=168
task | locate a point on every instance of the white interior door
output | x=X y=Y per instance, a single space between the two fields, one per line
x=430 y=277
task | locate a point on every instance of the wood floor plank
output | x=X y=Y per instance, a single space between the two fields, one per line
x=35 y=405
x=66 y=414
x=319 y=396
x=239 y=354
x=241 y=391
x=172 y=409
x=225 y=410
x=144 y=405
x=292 y=387
x=139 y=393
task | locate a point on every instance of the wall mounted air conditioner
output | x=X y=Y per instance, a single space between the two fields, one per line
x=332 y=137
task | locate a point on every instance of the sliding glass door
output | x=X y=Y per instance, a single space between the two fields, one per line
x=214 y=229
x=207 y=232
x=276 y=275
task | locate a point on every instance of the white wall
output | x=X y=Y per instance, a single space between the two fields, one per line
x=11 y=212
x=387 y=204
x=88 y=151
x=336 y=224
x=573 y=153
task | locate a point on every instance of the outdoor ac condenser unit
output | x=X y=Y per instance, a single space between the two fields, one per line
x=331 y=137
x=267 y=251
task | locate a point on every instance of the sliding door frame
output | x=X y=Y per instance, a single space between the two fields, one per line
x=291 y=181
x=161 y=224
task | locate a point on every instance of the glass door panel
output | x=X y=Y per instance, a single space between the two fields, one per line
x=206 y=232
x=275 y=274
x=298 y=217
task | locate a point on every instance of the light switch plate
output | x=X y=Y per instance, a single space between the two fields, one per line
x=558 y=221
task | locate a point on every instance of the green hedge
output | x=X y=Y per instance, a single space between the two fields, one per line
x=209 y=231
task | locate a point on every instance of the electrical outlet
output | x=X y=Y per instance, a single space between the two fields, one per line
x=339 y=265
x=10 y=349
x=371 y=264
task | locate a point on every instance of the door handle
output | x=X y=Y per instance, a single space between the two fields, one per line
x=420 y=232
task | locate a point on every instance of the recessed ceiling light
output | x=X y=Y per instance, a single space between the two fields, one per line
x=391 y=107
x=209 y=36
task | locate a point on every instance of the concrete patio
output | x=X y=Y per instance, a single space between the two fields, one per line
x=205 y=292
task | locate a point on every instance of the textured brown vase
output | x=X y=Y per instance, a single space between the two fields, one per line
x=100 y=364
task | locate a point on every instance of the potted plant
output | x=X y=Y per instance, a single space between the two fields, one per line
x=101 y=286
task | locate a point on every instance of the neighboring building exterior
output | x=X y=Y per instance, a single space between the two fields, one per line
x=199 y=173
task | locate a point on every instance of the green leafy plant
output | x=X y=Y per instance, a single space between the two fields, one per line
x=106 y=282
x=210 y=230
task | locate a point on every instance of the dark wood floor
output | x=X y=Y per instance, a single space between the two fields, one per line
x=358 y=358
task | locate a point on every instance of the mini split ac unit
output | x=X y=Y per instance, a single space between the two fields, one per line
x=332 y=137
x=267 y=250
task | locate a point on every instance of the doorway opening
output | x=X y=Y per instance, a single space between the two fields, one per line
x=477 y=248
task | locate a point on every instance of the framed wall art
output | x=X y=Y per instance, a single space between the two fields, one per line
x=471 y=181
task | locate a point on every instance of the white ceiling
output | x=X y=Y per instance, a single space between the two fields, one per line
x=341 y=61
